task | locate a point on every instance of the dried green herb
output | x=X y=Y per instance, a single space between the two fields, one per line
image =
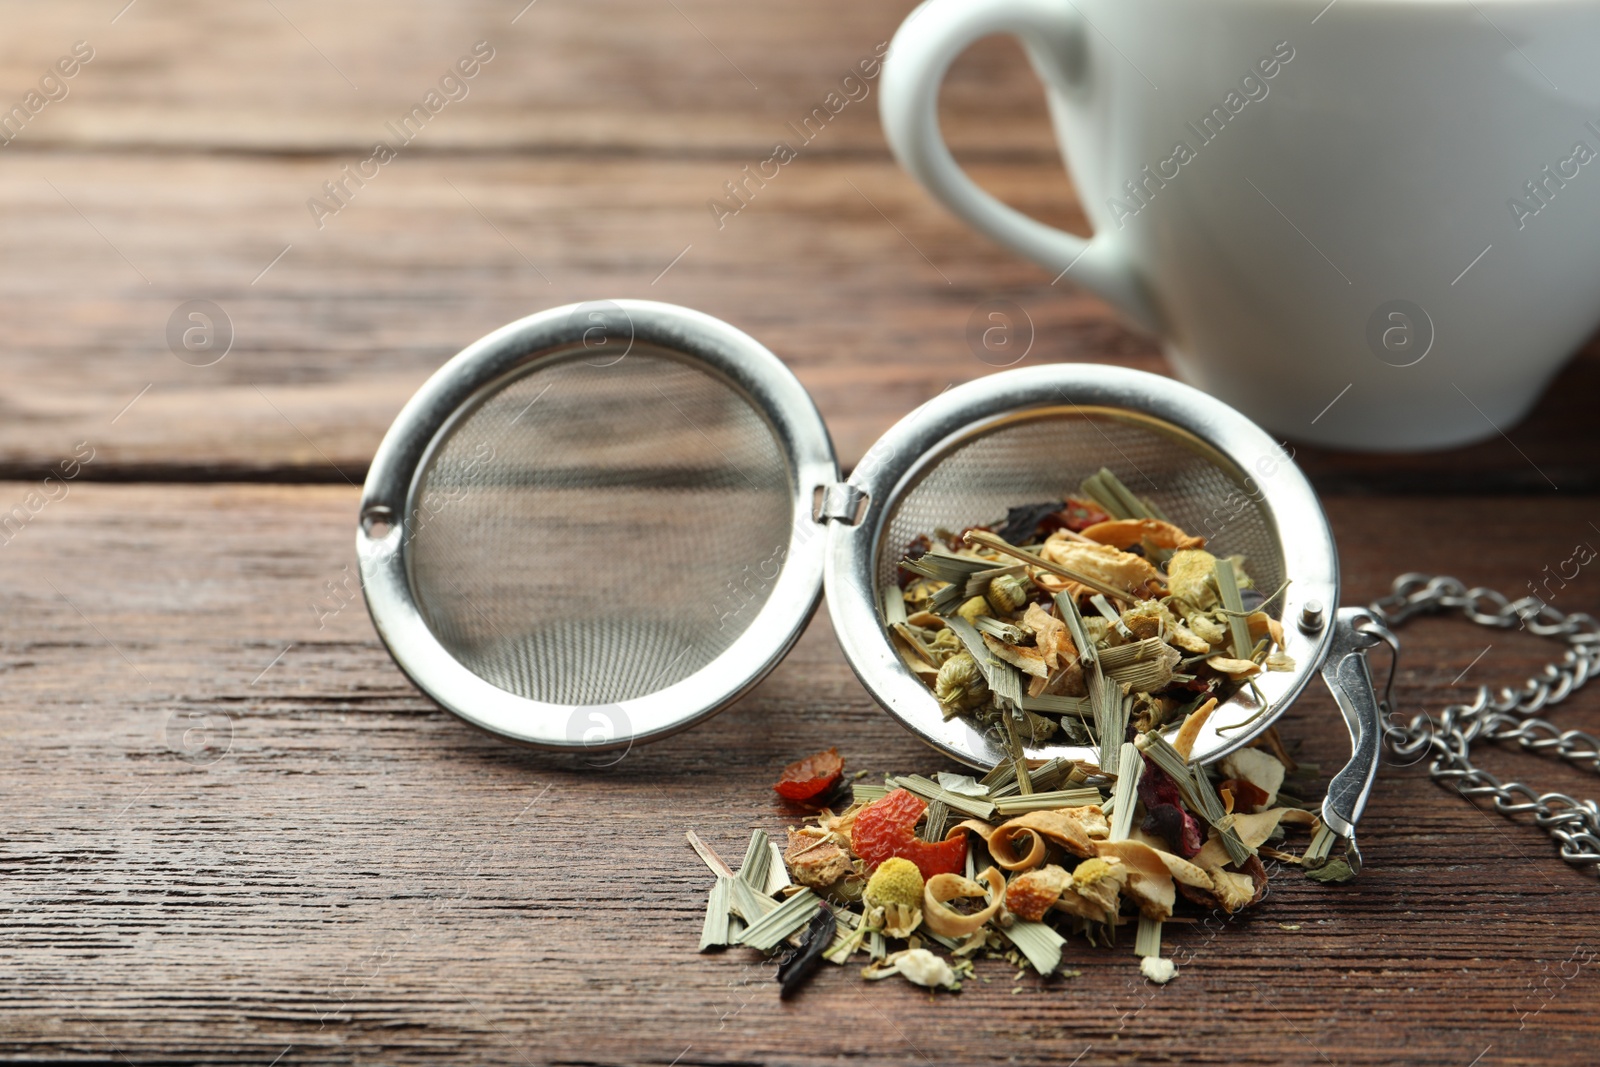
x=1038 y=942
x=714 y=934
x=1336 y=871
x=1198 y=793
x=1228 y=591
x=1147 y=942
x=783 y=920
x=929 y=790
x=757 y=860
x=833 y=922
x=1050 y=801
x=1130 y=768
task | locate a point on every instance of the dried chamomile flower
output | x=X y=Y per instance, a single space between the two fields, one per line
x=896 y=888
x=1158 y=969
x=960 y=684
x=1008 y=593
x=919 y=966
x=1189 y=578
x=973 y=608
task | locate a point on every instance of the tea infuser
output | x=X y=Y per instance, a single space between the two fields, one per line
x=604 y=522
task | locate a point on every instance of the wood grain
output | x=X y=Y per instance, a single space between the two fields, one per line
x=234 y=833
x=356 y=876
x=861 y=283
x=691 y=78
x=180 y=165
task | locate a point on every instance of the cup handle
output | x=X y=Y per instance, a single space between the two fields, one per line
x=918 y=58
x=1349 y=679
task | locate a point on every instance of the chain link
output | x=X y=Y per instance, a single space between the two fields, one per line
x=1506 y=716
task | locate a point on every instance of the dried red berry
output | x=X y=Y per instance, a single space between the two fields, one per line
x=1079 y=515
x=1165 y=815
x=811 y=777
x=887 y=828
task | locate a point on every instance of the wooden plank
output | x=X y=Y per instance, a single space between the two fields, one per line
x=703 y=77
x=871 y=310
x=358 y=876
x=334 y=337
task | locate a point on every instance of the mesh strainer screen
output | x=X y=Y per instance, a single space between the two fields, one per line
x=589 y=534
x=1047 y=456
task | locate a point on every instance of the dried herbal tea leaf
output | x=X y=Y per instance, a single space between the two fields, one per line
x=1048 y=873
x=1336 y=871
x=798 y=967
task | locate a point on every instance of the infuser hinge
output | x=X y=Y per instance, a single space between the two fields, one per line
x=841 y=502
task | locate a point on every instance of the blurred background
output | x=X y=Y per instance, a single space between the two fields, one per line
x=586 y=159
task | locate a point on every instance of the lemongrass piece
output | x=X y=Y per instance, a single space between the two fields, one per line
x=787 y=918
x=934 y=818
x=708 y=855
x=945 y=887
x=1138 y=506
x=1038 y=942
x=1129 y=770
x=1050 y=801
x=1057 y=705
x=777 y=871
x=1193 y=723
x=943 y=566
x=845 y=943
x=1019 y=759
x=747 y=903
x=1138 y=651
x=913 y=655
x=1145 y=677
x=989 y=540
x=1067 y=608
x=757 y=860
x=894 y=604
x=1111 y=614
x=1101 y=487
x=714 y=933
x=866 y=794
x=930 y=790
x=1228 y=590
x=1198 y=795
x=1147 y=942
x=1008 y=633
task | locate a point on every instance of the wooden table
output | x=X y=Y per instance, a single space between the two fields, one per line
x=362 y=878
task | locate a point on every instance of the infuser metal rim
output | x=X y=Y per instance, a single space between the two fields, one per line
x=895 y=464
x=388 y=504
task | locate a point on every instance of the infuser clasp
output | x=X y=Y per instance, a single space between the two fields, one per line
x=1349 y=679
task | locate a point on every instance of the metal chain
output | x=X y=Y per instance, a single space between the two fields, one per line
x=1508 y=716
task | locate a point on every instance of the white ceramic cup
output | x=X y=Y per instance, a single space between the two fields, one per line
x=1370 y=224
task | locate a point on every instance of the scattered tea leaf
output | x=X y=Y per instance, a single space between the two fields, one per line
x=798 y=967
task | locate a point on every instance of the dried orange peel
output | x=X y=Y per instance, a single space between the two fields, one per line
x=945 y=921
